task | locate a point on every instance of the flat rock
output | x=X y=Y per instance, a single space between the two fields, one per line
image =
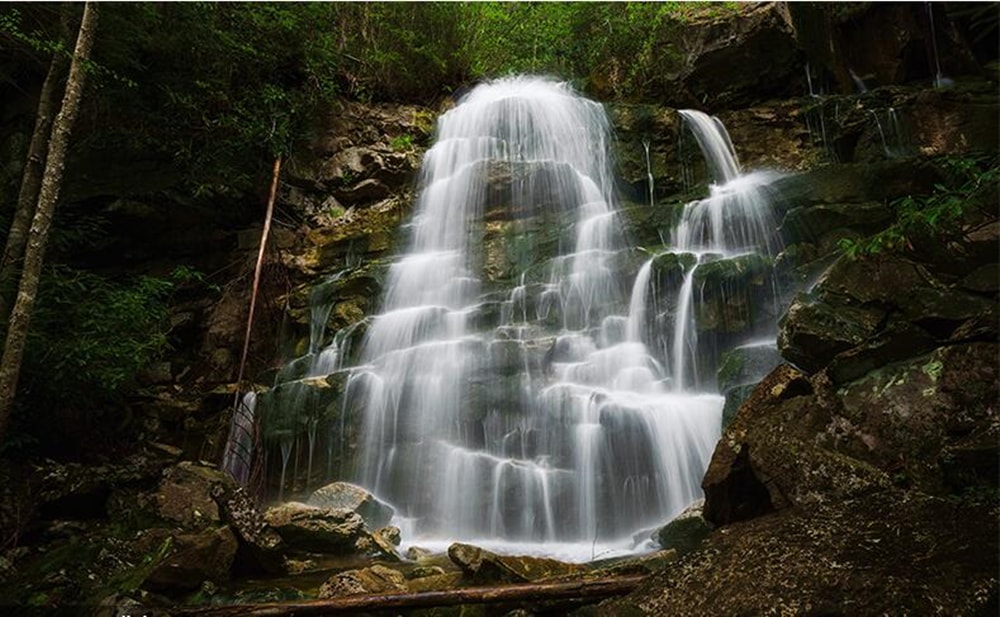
x=376 y=579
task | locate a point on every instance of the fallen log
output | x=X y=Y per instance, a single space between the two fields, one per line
x=527 y=592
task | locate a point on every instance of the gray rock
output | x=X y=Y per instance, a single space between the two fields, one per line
x=343 y=495
x=316 y=529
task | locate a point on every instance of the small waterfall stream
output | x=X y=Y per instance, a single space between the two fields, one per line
x=542 y=405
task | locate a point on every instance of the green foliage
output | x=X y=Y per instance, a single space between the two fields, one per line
x=626 y=50
x=401 y=142
x=971 y=186
x=91 y=336
x=14 y=28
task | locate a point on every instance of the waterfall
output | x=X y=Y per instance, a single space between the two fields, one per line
x=547 y=420
x=512 y=390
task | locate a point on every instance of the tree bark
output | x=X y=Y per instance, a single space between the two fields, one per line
x=17 y=329
x=31 y=180
x=531 y=592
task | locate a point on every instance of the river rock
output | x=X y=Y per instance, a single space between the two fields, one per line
x=310 y=528
x=376 y=579
x=343 y=495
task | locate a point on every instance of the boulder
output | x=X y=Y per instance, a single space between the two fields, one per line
x=424 y=572
x=376 y=579
x=261 y=548
x=316 y=529
x=686 y=531
x=192 y=559
x=185 y=494
x=856 y=183
x=381 y=543
x=343 y=495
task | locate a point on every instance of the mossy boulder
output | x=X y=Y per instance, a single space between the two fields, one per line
x=371 y=580
x=191 y=559
x=740 y=369
x=483 y=566
x=864 y=314
x=686 y=531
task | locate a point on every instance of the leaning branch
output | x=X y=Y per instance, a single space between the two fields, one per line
x=256 y=278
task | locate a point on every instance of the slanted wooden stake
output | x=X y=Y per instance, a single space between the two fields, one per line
x=256 y=279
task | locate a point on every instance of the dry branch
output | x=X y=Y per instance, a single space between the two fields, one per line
x=528 y=592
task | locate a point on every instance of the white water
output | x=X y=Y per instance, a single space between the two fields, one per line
x=548 y=410
x=734 y=220
x=552 y=426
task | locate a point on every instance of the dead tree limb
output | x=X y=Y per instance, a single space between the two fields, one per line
x=528 y=592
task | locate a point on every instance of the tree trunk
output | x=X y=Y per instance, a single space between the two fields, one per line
x=17 y=329
x=31 y=180
x=529 y=592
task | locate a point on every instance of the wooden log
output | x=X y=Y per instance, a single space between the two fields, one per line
x=528 y=592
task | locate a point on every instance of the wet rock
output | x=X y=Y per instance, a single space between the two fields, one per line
x=416 y=553
x=260 y=546
x=747 y=364
x=363 y=192
x=812 y=332
x=382 y=542
x=193 y=559
x=740 y=369
x=311 y=528
x=849 y=183
x=686 y=531
x=376 y=579
x=425 y=571
x=735 y=295
x=484 y=566
x=865 y=314
x=627 y=566
x=810 y=224
x=877 y=43
x=343 y=495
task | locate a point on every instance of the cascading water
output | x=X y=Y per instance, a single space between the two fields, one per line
x=547 y=420
x=512 y=392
